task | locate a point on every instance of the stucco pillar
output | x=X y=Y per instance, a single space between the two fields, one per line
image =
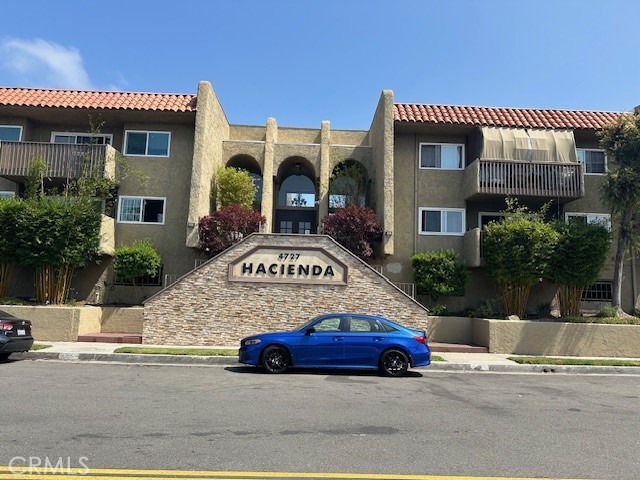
x=325 y=172
x=387 y=152
x=267 y=173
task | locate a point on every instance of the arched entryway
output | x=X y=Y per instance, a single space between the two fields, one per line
x=250 y=164
x=349 y=185
x=296 y=207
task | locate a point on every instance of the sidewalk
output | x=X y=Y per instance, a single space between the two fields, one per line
x=466 y=362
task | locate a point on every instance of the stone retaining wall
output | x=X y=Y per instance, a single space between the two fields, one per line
x=205 y=308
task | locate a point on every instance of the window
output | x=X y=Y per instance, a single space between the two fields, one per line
x=331 y=324
x=141 y=210
x=150 y=144
x=81 y=138
x=304 y=227
x=10 y=133
x=144 y=281
x=441 y=221
x=598 y=292
x=594 y=161
x=364 y=325
x=446 y=156
x=603 y=219
x=7 y=194
x=286 y=226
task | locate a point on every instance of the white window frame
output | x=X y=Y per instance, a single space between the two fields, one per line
x=13 y=126
x=142 y=198
x=82 y=134
x=462 y=155
x=591 y=217
x=147 y=132
x=584 y=165
x=442 y=211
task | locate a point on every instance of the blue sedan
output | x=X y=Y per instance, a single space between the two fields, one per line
x=340 y=340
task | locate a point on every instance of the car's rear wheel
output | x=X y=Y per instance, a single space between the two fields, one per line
x=275 y=359
x=394 y=363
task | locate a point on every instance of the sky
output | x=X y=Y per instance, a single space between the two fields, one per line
x=306 y=61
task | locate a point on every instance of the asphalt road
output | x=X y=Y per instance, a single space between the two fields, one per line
x=214 y=418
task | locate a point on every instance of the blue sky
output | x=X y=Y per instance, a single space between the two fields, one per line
x=306 y=61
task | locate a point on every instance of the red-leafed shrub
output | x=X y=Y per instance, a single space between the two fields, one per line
x=355 y=228
x=227 y=226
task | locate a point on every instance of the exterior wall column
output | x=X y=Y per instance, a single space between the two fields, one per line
x=325 y=172
x=211 y=129
x=267 y=173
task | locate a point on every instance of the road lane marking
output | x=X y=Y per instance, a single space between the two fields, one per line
x=24 y=472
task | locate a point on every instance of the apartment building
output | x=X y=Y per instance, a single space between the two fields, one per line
x=434 y=175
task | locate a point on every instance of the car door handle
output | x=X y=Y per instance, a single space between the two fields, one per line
x=378 y=339
x=338 y=339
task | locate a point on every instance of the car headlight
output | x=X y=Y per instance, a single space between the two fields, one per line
x=251 y=341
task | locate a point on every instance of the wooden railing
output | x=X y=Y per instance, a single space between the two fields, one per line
x=63 y=160
x=522 y=178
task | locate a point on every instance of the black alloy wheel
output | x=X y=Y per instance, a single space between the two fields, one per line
x=4 y=356
x=394 y=363
x=275 y=359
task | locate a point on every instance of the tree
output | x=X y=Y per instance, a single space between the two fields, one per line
x=621 y=191
x=517 y=250
x=232 y=186
x=439 y=274
x=355 y=228
x=10 y=210
x=227 y=226
x=576 y=261
x=132 y=262
x=56 y=236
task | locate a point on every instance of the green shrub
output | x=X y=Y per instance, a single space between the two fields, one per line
x=439 y=274
x=232 y=186
x=136 y=261
x=517 y=250
x=608 y=312
x=438 y=310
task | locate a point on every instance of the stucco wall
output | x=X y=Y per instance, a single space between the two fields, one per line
x=121 y=320
x=204 y=308
x=58 y=324
x=557 y=338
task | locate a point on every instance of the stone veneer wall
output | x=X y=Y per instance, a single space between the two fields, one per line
x=204 y=308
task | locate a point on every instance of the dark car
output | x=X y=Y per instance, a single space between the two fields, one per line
x=15 y=335
x=340 y=340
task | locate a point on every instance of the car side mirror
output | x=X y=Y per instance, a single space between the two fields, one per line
x=309 y=331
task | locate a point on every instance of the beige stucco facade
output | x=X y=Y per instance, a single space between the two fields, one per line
x=389 y=151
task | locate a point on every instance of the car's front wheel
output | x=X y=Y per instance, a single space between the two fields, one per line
x=4 y=356
x=275 y=359
x=394 y=363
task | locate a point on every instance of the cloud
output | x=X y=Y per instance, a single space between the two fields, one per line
x=41 y=63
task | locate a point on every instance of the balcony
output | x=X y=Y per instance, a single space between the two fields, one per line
x=563 y=181
x=64 y=161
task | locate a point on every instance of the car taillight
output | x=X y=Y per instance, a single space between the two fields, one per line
x=6 y=326
x=420 y=338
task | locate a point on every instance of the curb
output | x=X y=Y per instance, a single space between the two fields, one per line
x=178 y=360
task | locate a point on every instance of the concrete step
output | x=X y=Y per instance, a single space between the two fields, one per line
x=456 y=348
x=110 y=338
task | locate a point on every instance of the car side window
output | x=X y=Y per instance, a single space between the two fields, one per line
x=330 y=324
x=363 y=325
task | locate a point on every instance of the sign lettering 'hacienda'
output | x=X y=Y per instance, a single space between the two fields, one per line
x=288 y=265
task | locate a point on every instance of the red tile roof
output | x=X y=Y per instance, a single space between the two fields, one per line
x=502 y=117
x=38 y=97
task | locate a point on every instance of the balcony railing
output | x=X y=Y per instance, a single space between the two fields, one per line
x=63 y=160
x=526 y=179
